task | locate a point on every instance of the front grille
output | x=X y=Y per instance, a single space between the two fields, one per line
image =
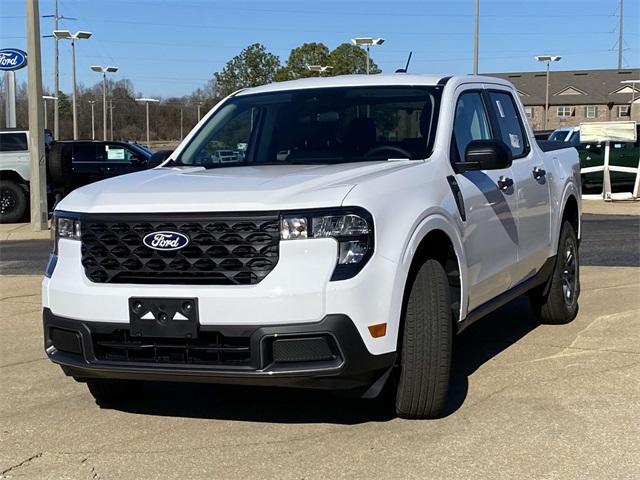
x=223 y=250
x=209 y=348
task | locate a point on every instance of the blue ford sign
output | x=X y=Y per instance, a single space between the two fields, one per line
x=12 y=59
x=166 y=241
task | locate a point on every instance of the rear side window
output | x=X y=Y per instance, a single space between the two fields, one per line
x=84 y=152
x=509 y=122
x=13 y=142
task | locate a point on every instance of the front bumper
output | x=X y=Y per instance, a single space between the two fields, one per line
x=74 y=345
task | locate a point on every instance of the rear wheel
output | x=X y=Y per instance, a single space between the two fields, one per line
x=425 y=358
x=559 y=304
x=13 y=201
x=113 y=392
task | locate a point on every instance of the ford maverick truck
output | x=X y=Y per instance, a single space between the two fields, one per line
x=358 y=224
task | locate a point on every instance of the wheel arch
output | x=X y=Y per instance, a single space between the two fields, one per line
x=437 y=237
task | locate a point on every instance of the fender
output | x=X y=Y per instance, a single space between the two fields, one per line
x=570 y=190
x=18 y=170
x=432 y=222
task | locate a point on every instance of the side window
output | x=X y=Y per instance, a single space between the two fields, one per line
x=470 y=123
x=116 y=153
x=84 y=152
x=13 y=142
x=509 y=122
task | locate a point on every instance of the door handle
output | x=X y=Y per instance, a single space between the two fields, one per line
x=504 y=183
x=538 y=173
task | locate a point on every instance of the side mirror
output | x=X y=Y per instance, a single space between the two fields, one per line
x=485 y=155
x=159 y=157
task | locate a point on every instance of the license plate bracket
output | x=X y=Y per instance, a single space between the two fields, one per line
x=163 y=317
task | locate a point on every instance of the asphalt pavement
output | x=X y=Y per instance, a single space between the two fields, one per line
x=528 y=401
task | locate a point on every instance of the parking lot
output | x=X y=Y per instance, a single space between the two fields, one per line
x=529 y=401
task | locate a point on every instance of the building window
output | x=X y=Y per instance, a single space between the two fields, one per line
x=565 y=111
x=529 y=111
x=591 y=111
x=623 y=110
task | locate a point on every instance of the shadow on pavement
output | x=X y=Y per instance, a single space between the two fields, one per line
x=475 y=346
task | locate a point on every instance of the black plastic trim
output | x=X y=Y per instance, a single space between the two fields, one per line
x=541 y=277
x=457 y=195
x=354 y=368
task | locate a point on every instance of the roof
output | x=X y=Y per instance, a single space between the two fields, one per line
x=363 y=81
x=575 y=87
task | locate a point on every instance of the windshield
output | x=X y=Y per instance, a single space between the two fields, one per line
x=559 y=135
x=323 y=125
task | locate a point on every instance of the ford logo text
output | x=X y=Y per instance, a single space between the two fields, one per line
x=166 y=241
x=12 y=59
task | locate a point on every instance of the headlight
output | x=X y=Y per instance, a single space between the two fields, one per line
x=352 y=228
x=64 y=227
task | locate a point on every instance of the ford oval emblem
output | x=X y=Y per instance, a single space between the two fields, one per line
x=12 y=59
x=166 y=241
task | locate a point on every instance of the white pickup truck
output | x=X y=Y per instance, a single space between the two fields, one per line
x=368 y=220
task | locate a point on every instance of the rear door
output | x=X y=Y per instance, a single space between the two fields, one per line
x=532 y=188
x=490 y=233
x=85 y=164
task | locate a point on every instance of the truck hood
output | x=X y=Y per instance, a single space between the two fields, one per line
x=248 y=188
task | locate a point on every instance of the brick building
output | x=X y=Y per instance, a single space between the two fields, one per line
x=578 y=96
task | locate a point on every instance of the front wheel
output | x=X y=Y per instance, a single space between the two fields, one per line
x=425 y=353
x=559 y=304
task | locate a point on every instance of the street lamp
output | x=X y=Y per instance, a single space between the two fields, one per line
x=67 y=35
x=319 y=68
x=367 y=42
x=147 y=101
x=45 y=98
x=104 y=71
x=548 y=59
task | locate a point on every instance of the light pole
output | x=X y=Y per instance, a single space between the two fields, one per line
x=476 y=34
x=548 y=59
x=104 y=71
x=45 y=98
x=111 y=107
x=147 y=101
x=67 y=35
x=367 y=42
x=199 y=105
x=319 y=68
x=93 y=120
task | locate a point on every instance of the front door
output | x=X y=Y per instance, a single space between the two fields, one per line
x=490 y=233
x=532 y=186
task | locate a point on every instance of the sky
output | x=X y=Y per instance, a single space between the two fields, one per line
x=171 y=47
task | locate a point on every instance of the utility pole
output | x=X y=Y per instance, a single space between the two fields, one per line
x=199 y=105
x=93 y=120
x=38 y=181
x=181 y=136
x=620 y=34
x=476 y=33
x=56 y=76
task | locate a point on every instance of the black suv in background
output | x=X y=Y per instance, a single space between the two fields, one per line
x=82 y=162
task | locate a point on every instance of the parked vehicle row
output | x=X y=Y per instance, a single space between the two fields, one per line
x=70 y=164
x=623 y=154
x=369 y=219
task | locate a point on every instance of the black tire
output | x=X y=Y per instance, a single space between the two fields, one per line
x=13 y=201
x=113 y=392
x=425 y=353
x=559 y=304
x=59 y=168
